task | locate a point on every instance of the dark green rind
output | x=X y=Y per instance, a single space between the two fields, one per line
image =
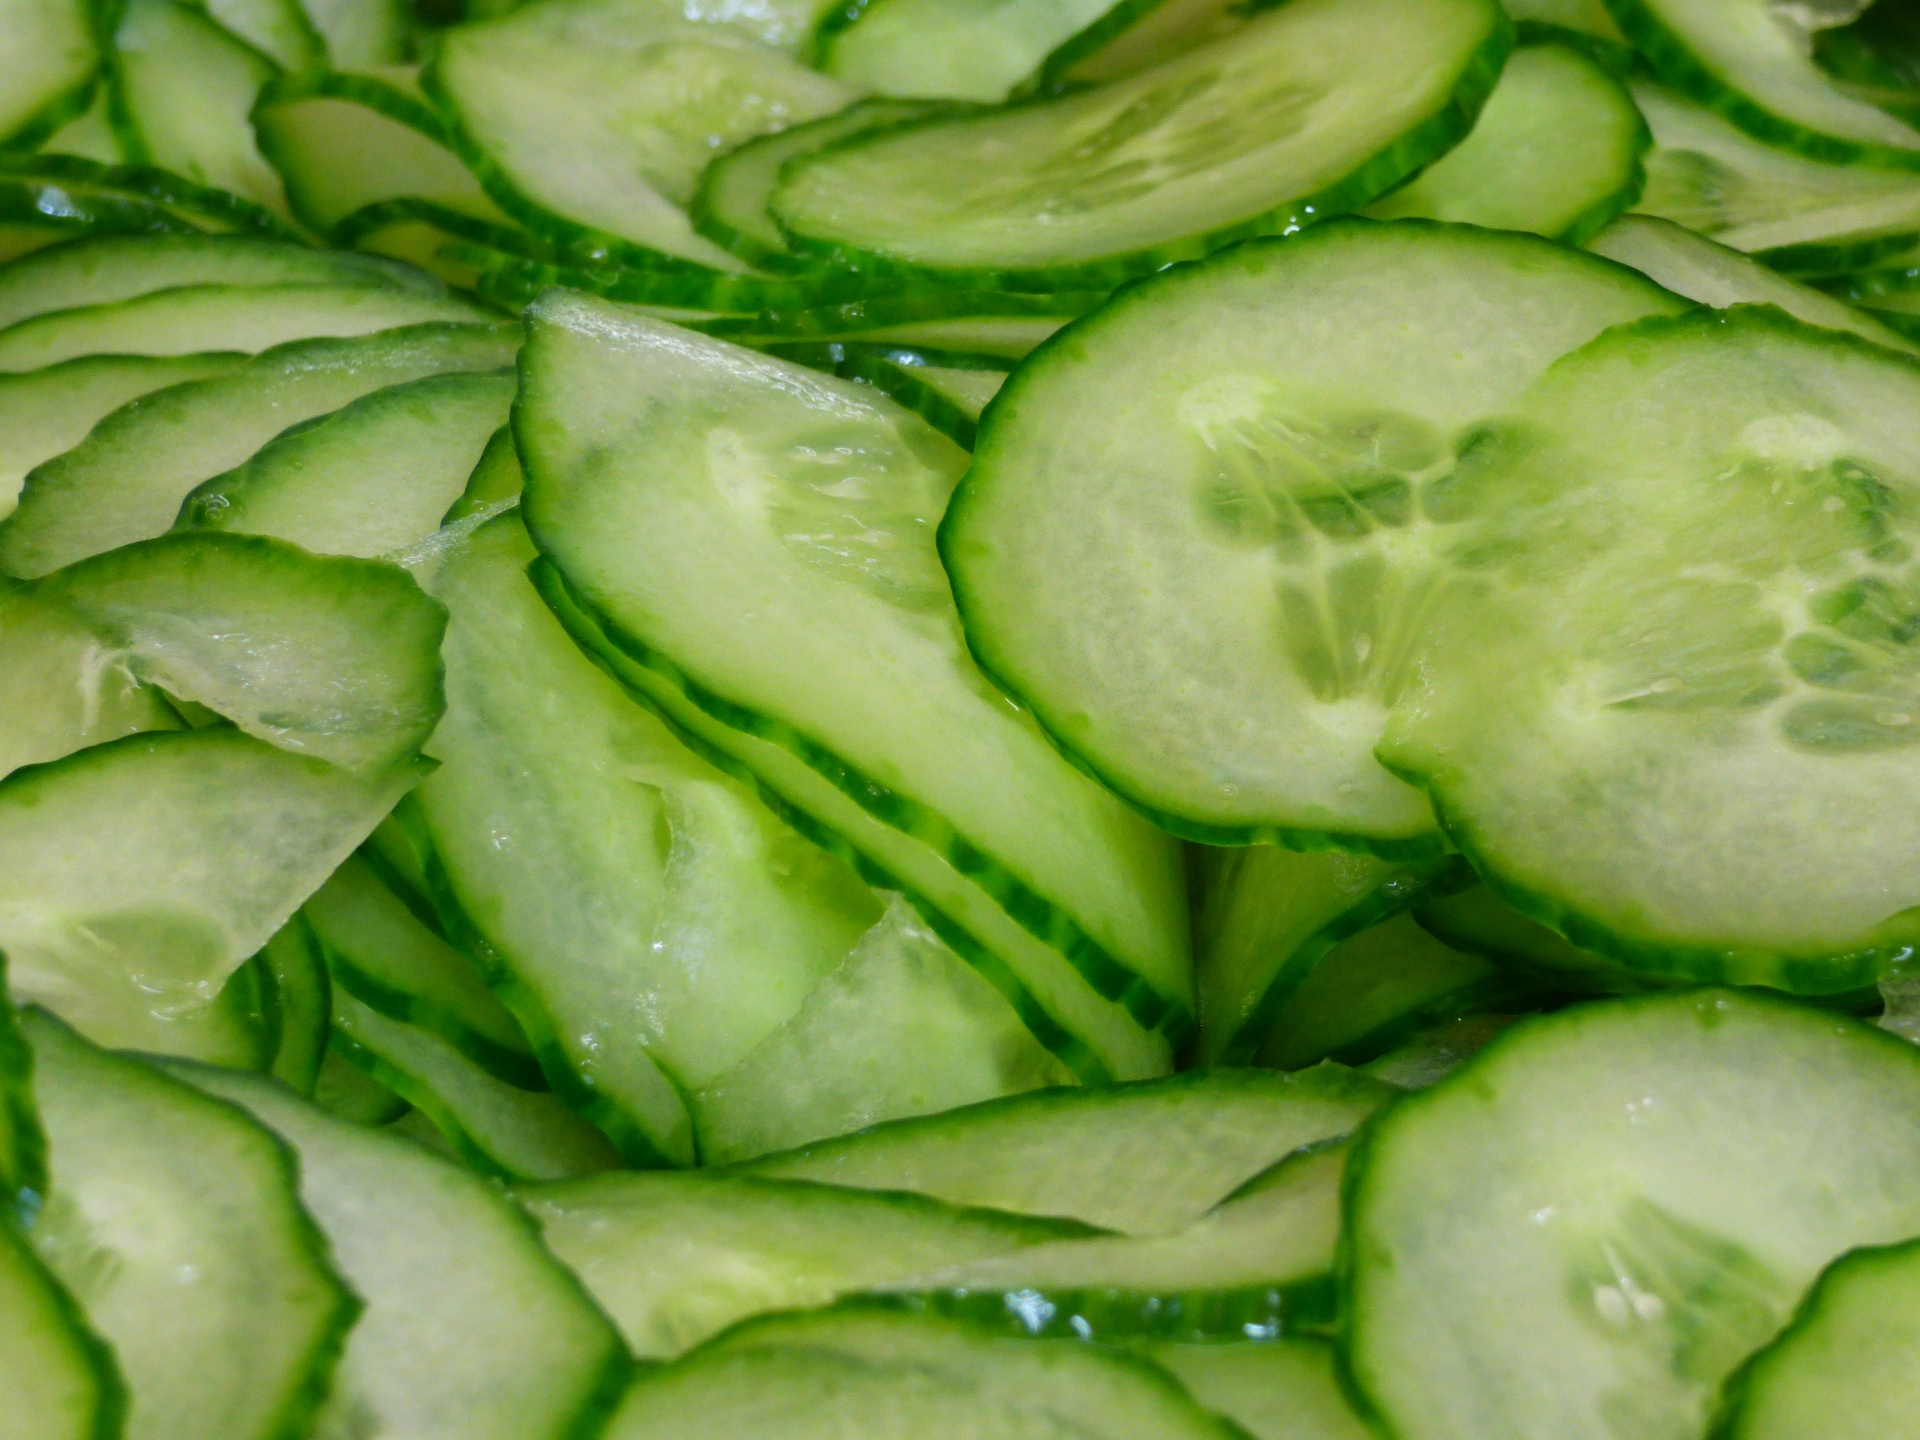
x=1499 y=994
x=889 y=369
x=85 y=197
x=374 y=1067
x=881 y=312
x=41 y=125
x=1111 y=1315
x=1676 y=65
x=1877 y=59
x=590 y=634
x=1820 y=260
x=1592 y=220
x=109 y=1420
x=1907 y=325
x=23 y=1160
x=365 y=90
x=1050 y=77
x=296 y=1057
x=495 y=238
x=1870 y=285
x=1405 y=157
x=510 y=279
x=1610 y=55
x=837 y=21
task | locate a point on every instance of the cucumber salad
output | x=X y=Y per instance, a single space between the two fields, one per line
x=959 y=720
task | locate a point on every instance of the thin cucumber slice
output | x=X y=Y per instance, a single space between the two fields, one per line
x=1782 y=454
x=125 y=482
x=379 y=953
x=61 y=196
x=1302 y=113
x=1846 y=1368
x=1135 y=35
x=1628 y=1197
x=1876 y=59
x=1479 y=922
x=676 y=1258
x=591 y=120
x=1751 y=61
x=1282 y=511
x=181 y=91
x=189 y=319
x=345 y=142
x=1689 y=264
x=498 y=1129
x=1259 y=1266
x=1281 y=1389
x=1145 y=1159
x=1064 y=859
x=176 y=1223
x=23 y=1142
x=140 y=874
x=373 y=478
x=1428 y=1058
x=951 y=49
x=919 y=316
x=495 y=484
x=730 y=205
x=323 y=656
x=88 y=134
x=58 y=1379
x=278 y=29
x=1583 y=17
x=297 y=997
x=948 y=397
x=52 y=58
x=342 y=1089
x=1794 y=212
x=363 y=34
x=1267 y=918
x=232 y=1031
x=1557 y=150
x=470 y=1331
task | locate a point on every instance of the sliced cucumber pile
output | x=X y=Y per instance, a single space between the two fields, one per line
x=1025 y=719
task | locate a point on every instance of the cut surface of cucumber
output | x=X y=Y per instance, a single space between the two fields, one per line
x=125 y=482
x=1638 y=650
x=1287 y=515
x=470 y=1330
x=1136 y=35
x=1145 y=1159
x=341 y=1089
x=278 y=29
x=1585 y=1229
x=1282 y=1389
x=373 y=478
x=362 y=34
x=1479 y=922
x=675 y=1258
x=952 y=49
x=175 y=1221
x=58 y=1379
x=1556 y=150
x=51 y=60
x=1300 y=114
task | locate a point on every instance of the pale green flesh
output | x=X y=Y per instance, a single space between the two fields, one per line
x=1276 y=1390
x=353 y=1095
x=362 y=34
x=968 y=390
x=1623 y=1244
x=294 y=973
x=1479 y=922
x=954 y=49
x=88 y=135
x=373 y=478
x=1689 y=264
x=278 y=29
x=1690 y=585
x=604 y=112
x=1708 y=176
x=675 y=1258
x=1298 y=99
x=794 y=542
x=1587 y=17
x=1558 y=143
x=470 y=1330
x=1849 y=1368
x=1431 y=1056
x=56 y=1379
x=138 y=876
x=1151 y=32
x=194 y=318
x=497 y=1128
x=125 y=482
x=175 y=1222
x=1144 y=1159
x=187 y=86
x=50 y=56
x=1281 y=512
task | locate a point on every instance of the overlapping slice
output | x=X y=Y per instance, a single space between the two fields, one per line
x=51 y=59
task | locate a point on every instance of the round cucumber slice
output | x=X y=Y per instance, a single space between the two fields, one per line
x=1203 y=563
x=58 y=1380
x=1586 y=1228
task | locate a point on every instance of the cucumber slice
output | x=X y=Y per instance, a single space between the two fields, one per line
x=1557 y=150
x=1135 y=35
x=1608 y=1209
x=1752 y=62
x=140 y=874
x=278 y=29
x=249 y=318
x=1064 y=860
x=341 y=1089
x=730 y=205
x=947 y=396
x=495 y=484
x=297 y=996
x=1876 y=59
x=58 y=1380
x=1582 y=17
x=1795 y=213
x=1238 y=698
x=23 y=1143
x=1479 y=922
x=1656 y=679
x=89 y=134
x=52 y=58
x=373 y=478
x=1145 y=1159
x=591 y=120
x=470 y=1330
x=954 y=49
x=1845 y=1368
x=498 y=1129
x=1275 y=1390
x=363 y=34
x=176 y=1223
x=1236 y=138
x=232 y=1031
x=58 y=196
x=1268 y=918
x=125 y=482
x=1428 y=1058
x=387 y=960
x=181 y=91
x=980 y=322
x=675 y=1258
x=1677 y=259
x=1258 y=1266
